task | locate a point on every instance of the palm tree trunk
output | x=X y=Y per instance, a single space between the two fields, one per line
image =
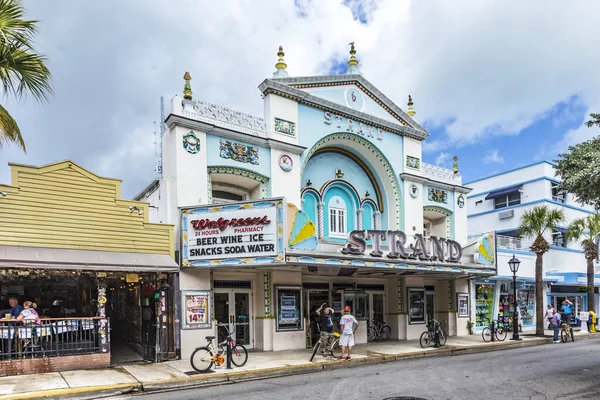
x=539 y=294
x=590 y=284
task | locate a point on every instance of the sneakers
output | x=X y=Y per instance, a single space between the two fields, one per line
x=556 y=341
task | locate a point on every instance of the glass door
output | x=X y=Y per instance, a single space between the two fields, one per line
x=233 y=310
x=376 y=312
x=430 y=306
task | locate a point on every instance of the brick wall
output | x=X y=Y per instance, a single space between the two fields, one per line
x=54 y=364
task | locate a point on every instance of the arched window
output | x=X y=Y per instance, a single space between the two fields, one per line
x=337 y=217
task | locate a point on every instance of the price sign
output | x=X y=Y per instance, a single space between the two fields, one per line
x=196 y=309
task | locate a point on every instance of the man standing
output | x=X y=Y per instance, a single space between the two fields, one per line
x=15 y=307
x=556 y=321
x=326 y=314
x=348 y=325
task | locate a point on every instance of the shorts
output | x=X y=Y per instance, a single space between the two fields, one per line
x=347 y=340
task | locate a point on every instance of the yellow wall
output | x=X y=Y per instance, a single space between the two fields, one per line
x=65 y=206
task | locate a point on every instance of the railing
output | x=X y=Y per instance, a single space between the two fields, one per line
x=227 y=118
x=438 y=173
x=53 y=337
x=506 y=242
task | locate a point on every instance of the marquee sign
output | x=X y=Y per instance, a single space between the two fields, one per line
x=431 y=248
x=352 y=126
x=249 y=232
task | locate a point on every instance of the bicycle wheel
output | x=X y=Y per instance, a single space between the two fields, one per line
x=486 y=334
x=315 y=349
x=425 y=340
x=371 y=333
x=335 y=351
x=501 y=334
x=239 y=355
x=202 y=359
x=563 y=335
x=386 y=332
x=442 y=337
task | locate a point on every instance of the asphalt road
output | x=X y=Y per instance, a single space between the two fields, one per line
x=553 y=371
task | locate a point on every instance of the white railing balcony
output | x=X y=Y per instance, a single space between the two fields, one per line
x=438 y=173
x=227 y=118
x=513 y=243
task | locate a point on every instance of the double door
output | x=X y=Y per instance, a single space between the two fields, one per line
x=233 y=312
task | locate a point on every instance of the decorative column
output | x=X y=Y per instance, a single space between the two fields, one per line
x=402 y=295
x=359 y=217
x=377 y=219
x=103 y=325
x=321 y=220
x=452 y=295
x=268 y=279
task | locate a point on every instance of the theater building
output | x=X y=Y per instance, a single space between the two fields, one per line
x=325 y=198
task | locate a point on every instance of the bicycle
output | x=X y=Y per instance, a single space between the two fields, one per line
x=203 y=358
x=378 y=331
x=566 y=332
x=332 y=346
x=433 y=336
x=498 y=330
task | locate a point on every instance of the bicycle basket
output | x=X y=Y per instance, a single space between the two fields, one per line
x=336 y=334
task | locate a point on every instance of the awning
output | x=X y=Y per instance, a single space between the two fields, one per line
x=503 y=192
x=38 y=257
x=528 y=279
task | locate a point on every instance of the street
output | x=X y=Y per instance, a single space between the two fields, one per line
x=554 y=371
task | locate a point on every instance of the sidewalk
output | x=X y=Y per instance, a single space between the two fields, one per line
x=179 y=374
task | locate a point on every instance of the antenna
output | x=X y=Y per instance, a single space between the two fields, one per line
x=162 y=116
x=158 y=136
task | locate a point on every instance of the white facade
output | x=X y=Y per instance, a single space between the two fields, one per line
x=532 y=185
x=340 y=151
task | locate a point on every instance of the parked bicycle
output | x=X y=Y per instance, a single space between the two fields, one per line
x=203 y=358
x=378 y=331
x=498 y=330
x=332 y=347
x=566 y=332
x=433 y=336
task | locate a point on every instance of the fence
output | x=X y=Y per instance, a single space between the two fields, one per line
x=54 y=337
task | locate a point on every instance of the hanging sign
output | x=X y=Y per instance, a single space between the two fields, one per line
x=245 y=232
x=196 y=310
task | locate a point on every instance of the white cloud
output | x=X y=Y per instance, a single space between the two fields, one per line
x=477 y=69
x=441 y=159
x=492 y=156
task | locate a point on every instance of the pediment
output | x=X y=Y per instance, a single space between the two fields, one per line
x=356 y=93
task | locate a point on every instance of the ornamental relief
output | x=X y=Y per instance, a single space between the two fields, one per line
x=437 y=195
x=238 y=152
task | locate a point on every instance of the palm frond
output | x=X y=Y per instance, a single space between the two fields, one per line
x=9 y=130
x=536 y=221
x=22 y=71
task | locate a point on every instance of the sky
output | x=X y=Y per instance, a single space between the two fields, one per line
x=499 y=84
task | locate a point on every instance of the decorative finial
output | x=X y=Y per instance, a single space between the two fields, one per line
x=455 y=165
x=352 y=62
x=281 y=65
x=411 y=113
x=187 y=89
x=339 y=173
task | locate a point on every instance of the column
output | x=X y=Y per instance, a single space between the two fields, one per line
x=359 y=217
x=377 y=219
x=321 y=220
x=268 y=279
x=103 y=327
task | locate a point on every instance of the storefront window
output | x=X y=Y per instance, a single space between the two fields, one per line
x=526 y=302
x=289 y=308
x=484 y=305
x=416 y=306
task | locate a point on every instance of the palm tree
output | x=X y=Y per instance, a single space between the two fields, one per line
x=22 y=70
x=534 y=224
x=588 y=230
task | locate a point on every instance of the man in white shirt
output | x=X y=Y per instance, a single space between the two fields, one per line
x=348 y=326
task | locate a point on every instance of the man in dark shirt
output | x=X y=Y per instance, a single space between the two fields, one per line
x=326 y=315
x=15 y=307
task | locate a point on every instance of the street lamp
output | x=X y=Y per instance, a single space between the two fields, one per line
x=514 y=267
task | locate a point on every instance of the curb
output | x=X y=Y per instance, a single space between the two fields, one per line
x=93 y=392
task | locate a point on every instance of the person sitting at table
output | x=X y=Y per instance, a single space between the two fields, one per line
x=29 y=314
x=15 y=307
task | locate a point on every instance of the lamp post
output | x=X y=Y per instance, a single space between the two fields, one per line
x=514 y=267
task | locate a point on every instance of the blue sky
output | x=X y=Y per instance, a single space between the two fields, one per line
x=497 y=84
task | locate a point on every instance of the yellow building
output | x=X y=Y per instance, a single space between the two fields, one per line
x=70 y=244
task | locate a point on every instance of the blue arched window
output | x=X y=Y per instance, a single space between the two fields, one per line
x=338 y=214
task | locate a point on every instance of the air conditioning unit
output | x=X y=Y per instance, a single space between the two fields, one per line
x=506 y=214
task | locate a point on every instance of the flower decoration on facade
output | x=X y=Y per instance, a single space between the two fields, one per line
x=191 y=143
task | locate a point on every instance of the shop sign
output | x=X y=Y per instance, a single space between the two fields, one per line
x=243 y=232
x=196 y=310
x=431 y=248
x=353 y=126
